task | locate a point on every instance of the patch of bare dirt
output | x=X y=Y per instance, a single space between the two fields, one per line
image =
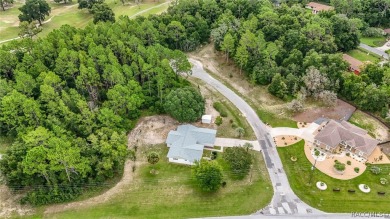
x=151 y=130
x=9 y=204
x=342 y=110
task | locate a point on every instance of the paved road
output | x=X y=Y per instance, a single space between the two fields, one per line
x=374 y=50
x=284 y=200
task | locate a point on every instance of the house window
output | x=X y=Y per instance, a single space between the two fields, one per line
x=175 y=159
x=361 y=153
x=327 y=147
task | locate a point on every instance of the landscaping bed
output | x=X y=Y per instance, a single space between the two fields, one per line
x=298 y=174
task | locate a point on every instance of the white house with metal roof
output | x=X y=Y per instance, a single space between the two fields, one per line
x=186 y=143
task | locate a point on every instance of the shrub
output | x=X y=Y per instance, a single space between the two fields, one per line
x=223 y=184
x=283 y=138
x=218 y=121
x=375 y=170
x=349 y=162
x=234 y=125
x=295 y=106
x=220 y=108
x=373 y=32
x=231 y=121
x=348 y=154
x=317 y=153
x=339 y=166
x=356 y=169
x=214 y=155
x=384 y=181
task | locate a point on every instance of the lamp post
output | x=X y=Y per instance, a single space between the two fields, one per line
x=312 y=170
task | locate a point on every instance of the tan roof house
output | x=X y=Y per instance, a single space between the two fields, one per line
x=317 y=7
x=345 y=135
x=354 y=64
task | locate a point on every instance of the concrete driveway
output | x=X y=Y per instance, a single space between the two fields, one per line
x=233 y=142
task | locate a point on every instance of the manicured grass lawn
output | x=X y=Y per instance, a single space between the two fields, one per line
x=362 y=55
x=373 y=41
x=172 y=194
x=299 y=174
x=275 y=120
x=5 y=142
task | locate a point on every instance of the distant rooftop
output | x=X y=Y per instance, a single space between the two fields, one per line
x=319 y=7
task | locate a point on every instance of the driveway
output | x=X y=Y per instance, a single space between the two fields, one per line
x=374 y=50
x=284 y=200
x=304 y=133
x=232 y=142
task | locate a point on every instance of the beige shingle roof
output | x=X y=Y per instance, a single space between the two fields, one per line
x=334 y=133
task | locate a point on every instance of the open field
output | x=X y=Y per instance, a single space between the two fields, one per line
x=363 y=56
x=373 y=41
x=299 y=175
x=172 y=194
x=69 y=14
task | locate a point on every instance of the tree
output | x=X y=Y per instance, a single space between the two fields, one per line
x=346 y=38
x=241 y=57
x=240 y=131
x=208 y=175
x=4 y=3
x=339 y=166
x=88 y=3
x=239 y=160
x=34 y=10
x=228 y=45
x=329 y=98
x=248 y=146
x=29 y=29
x=153 y=158
x=102 y=12
x=185 y=104
x=315 y=82
x=277 y=86
x=296 y=106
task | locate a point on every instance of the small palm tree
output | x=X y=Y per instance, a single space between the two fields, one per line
x=153 y=158
x=240 y=131
x=248 y=146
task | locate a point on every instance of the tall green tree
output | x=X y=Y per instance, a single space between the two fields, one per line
x=102 y=12
x=228 y=45
x=34 y=10
x=278 y=87
x=208 y=175
x=185 y=104
x=4 y=3
x=239 y=160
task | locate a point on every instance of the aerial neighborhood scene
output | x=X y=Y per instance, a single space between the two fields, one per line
x=194 y=109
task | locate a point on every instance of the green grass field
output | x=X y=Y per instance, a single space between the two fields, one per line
x=275 y=120
x=299 y=174
x=69 y=14
x=363 y=55
x=172 y=194
x=373 y=41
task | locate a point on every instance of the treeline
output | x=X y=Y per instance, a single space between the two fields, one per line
x=69 y=98
x=295 y=53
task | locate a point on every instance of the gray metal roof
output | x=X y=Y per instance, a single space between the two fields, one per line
x=187 y=142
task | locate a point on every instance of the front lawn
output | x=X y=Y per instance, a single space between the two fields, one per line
x=299 y=175
x=373 y=41
x=275 y=120
x=363 y=55
x=172 y=194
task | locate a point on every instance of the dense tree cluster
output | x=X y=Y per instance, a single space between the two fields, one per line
x=69 y=98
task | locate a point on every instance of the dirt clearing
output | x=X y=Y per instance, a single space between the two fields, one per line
x=342 y=110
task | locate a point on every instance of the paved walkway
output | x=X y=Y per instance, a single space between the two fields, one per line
x=374 y=50
x=304 y=133
x=232 y=142
x=284 y=200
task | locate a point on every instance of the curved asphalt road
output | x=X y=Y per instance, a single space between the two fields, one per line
x=284 y=200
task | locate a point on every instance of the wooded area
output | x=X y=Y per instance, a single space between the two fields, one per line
x=69 y=98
